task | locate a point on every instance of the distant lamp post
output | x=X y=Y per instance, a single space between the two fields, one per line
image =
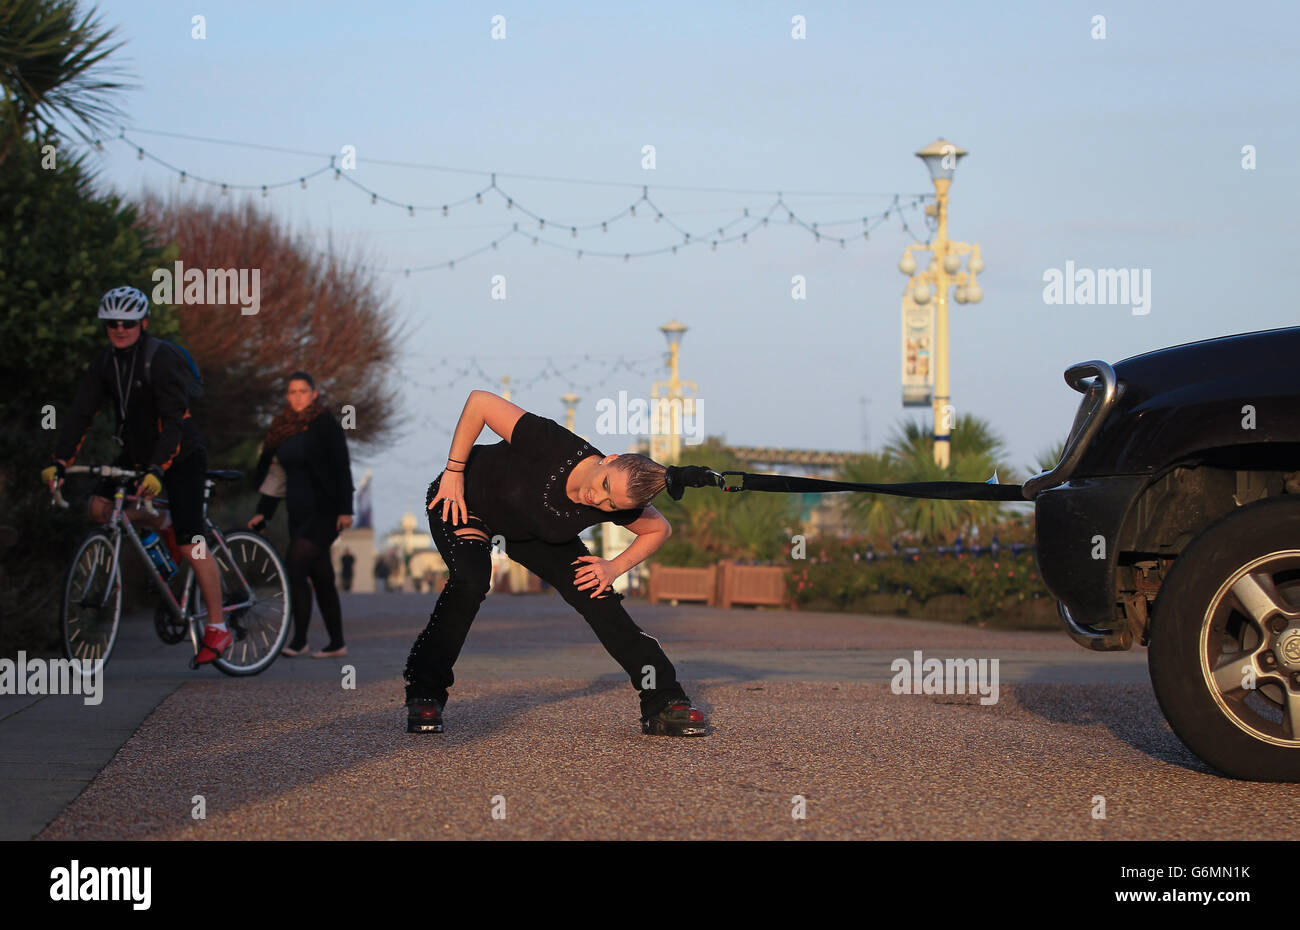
x=943 y=272
x=666 y=427
x=570 y=401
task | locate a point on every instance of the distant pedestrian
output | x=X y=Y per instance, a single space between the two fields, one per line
x=347 y=562
x=381 y=572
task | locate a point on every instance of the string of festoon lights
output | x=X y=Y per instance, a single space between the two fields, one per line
x=745 y=222
x=637 y=367
x=640 y=367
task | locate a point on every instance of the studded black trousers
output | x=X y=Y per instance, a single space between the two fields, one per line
x=469 y=564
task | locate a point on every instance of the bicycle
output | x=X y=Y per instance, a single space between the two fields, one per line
x=254 y=586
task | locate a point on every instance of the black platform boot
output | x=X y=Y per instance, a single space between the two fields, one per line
x=423 y=715
x=677 y=719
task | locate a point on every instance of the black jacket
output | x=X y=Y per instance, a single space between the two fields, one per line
x=156 y=429
x=327 y=450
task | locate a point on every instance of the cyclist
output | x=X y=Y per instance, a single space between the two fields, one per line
x=149 y=388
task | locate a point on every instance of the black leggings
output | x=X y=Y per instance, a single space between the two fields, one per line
x=469 y=565
x=309 y=567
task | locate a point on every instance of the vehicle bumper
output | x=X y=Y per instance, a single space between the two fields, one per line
x=1077 y=527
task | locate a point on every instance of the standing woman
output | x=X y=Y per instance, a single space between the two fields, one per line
x=306 y=440
x=538 y=489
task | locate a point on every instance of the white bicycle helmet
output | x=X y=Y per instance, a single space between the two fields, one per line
x=124 y=303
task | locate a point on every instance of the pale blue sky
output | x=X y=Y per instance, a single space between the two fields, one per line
x=1124 y=152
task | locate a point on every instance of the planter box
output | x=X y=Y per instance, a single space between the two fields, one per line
x=721 y=585
x=671 y=583
x=753 y=585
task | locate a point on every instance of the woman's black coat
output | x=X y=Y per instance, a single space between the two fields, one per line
x=327 y=450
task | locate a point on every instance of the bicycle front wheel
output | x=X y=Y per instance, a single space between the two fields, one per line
x=261 y=628
x=91 y=612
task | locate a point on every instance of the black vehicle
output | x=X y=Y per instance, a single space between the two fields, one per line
x=1173 y=520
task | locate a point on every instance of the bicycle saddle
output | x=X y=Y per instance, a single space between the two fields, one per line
x=225 y=475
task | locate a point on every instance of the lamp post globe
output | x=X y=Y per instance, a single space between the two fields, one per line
x=941 y=158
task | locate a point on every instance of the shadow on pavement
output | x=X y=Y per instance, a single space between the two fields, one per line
x=1128 y=711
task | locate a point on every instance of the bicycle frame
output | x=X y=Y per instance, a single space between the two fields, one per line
x=118 y=525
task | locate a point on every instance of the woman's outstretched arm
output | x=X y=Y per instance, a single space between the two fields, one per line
x=595 y=574
x=483 y=408
x=652 y=530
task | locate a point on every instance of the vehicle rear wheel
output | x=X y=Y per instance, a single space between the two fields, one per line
x=1225 y=643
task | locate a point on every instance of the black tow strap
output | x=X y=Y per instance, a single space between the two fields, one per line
x=681 y=477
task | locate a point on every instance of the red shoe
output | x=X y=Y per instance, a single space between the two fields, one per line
x=215 y=642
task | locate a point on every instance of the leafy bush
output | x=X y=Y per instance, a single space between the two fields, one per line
x=990 y=586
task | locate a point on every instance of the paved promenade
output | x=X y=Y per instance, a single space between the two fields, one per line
x=542 y=728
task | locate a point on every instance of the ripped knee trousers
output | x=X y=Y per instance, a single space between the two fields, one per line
x=467 y=551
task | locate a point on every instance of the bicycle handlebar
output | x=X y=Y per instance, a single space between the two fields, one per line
x=104 y=471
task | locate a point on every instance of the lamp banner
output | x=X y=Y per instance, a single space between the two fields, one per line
x=918 y=352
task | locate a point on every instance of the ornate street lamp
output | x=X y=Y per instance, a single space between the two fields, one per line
x=942 y=273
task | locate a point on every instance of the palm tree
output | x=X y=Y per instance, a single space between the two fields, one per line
x=1049 y=458
x=878 y=515
x=969 y=434
x=977 y=454
x=52 y=65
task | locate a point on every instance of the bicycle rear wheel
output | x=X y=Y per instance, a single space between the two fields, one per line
x=91 y=613
x=260 y=630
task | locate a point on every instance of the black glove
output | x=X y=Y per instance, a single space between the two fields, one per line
x=680 y=477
